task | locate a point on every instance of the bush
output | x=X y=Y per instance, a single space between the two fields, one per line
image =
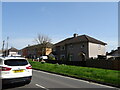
x=51 y=58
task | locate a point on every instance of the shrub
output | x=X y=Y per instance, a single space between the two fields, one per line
x=51 y=58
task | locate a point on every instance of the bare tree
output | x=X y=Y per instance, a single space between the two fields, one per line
x=43 y=41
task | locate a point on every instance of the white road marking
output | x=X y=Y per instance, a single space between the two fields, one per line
x=41 y=86
x=75 y=79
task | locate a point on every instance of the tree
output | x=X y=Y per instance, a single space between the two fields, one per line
x=44 y=42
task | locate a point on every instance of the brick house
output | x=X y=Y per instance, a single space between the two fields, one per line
x=79 y=48
x=34 y=51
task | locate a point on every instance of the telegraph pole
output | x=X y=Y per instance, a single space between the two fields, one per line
x=3 y=47
x=7 y=52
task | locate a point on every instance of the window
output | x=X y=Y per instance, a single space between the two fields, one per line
x=71 y=46
x=99 y=47
x=62 y=47
x=82 y=46
x=16 y=62
x=70 y=57
x=54 y=49
x=62 y=57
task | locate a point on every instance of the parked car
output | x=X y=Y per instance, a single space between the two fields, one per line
x=44 y=57
x=15 y=70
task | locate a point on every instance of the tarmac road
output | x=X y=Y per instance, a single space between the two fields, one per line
x=49 y=81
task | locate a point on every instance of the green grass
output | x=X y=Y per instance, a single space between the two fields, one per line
x=104 y=75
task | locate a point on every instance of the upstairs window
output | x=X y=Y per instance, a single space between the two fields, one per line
x=54 y=49
x=82 y=46
x=71 y=46
x=99 y=47
x=62 y=48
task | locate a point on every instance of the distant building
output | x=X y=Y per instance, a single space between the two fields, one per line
x=11 y=52
x=35 y=51
x=0 y=52
x=79 y=48
x=114 y=53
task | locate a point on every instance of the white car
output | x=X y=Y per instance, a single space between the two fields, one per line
x=44 y=57
x=15 y=70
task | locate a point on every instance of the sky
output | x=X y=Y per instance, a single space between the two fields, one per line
x=23 y=21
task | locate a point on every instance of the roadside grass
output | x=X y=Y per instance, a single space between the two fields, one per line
x=103 y=75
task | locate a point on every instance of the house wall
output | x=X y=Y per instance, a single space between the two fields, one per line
x=35 y=52
x=13 y=53
x=48 y=51
x=96 y=49
x=63 y=52
x=72 y=51
x=57 y=50
x=24 y=52
x=115 y=54
x=77 y=49
x=119 y=51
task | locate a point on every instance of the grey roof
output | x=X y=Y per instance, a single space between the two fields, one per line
x=81 y=38
x=114 y=51
x=13 y=49
x=49 y=45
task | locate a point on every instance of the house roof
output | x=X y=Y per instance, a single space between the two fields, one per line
x=13 y=49
x=49 y=45
x=114 y=51
x=81 y=38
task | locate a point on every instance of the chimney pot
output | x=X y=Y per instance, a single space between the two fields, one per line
x=75 y=34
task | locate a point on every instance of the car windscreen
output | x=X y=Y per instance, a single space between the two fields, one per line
x=16 y=62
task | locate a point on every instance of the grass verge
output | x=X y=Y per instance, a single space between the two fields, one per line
x=102 y=75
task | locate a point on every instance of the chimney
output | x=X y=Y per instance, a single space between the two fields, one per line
x=75 y=34
x=118 y=48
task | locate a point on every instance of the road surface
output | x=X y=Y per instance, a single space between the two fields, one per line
x=48 y=81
